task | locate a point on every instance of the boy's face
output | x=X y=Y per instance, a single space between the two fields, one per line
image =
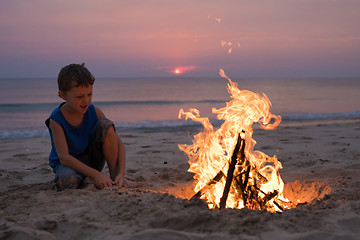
x=78 y=98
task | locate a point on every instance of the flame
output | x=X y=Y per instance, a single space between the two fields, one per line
x=211 y=150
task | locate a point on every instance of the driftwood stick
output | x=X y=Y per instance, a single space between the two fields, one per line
x=230 y=174
x=280 y=207
x=213 y=181
x=245 y=184
x=247 y=176
x=269 y=196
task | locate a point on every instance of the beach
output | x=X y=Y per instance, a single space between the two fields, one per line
x=321 y=171
x=192 y=89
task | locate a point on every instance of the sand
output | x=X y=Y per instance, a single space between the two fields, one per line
x=321 y=168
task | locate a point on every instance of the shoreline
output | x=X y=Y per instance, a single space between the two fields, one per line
x=321 y=168
x=175 y=126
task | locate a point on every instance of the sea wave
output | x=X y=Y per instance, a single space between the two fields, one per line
x=11 y=134
x=318 y=116
x=8 y=134
x=16 y=107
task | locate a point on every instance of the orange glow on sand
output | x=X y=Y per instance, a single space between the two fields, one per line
x=182 y=69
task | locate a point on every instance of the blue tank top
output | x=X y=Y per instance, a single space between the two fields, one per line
x=77 y=138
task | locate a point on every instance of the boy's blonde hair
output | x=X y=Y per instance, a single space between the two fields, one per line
x=77 y=73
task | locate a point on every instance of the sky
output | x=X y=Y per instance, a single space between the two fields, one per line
x=163 y=38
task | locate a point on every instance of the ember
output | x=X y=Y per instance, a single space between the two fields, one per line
x=229 y=172
x=229 y=44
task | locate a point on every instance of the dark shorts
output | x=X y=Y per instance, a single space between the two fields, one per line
x=66 y=177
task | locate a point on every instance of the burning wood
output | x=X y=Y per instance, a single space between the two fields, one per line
x=252 y=178
x=249 y=194
x=230 y=174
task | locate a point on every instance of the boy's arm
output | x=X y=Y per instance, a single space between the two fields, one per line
x=67 y=160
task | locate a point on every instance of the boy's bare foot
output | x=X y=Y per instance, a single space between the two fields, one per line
x=130 y=184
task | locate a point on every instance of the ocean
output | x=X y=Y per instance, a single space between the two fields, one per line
x=154 y=103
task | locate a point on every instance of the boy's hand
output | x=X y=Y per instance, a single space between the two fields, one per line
x=124 y=182
x=119 y=181
x=102 y=181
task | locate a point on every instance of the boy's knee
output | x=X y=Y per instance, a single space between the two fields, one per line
x=66 y=178
x=110 y=134
x=102 y=128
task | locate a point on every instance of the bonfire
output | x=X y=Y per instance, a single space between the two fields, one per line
x=229 y=173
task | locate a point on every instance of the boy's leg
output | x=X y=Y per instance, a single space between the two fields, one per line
x=111 y=151
x=104 y=145
x=66 y=177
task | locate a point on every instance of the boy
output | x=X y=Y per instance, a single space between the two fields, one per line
x=81 y=137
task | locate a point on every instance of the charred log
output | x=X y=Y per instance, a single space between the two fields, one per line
x=230 y=174
x=243 y=185
x=213 y=181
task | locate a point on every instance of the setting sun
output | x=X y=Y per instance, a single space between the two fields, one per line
x=177 y=71
x=181 y=69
